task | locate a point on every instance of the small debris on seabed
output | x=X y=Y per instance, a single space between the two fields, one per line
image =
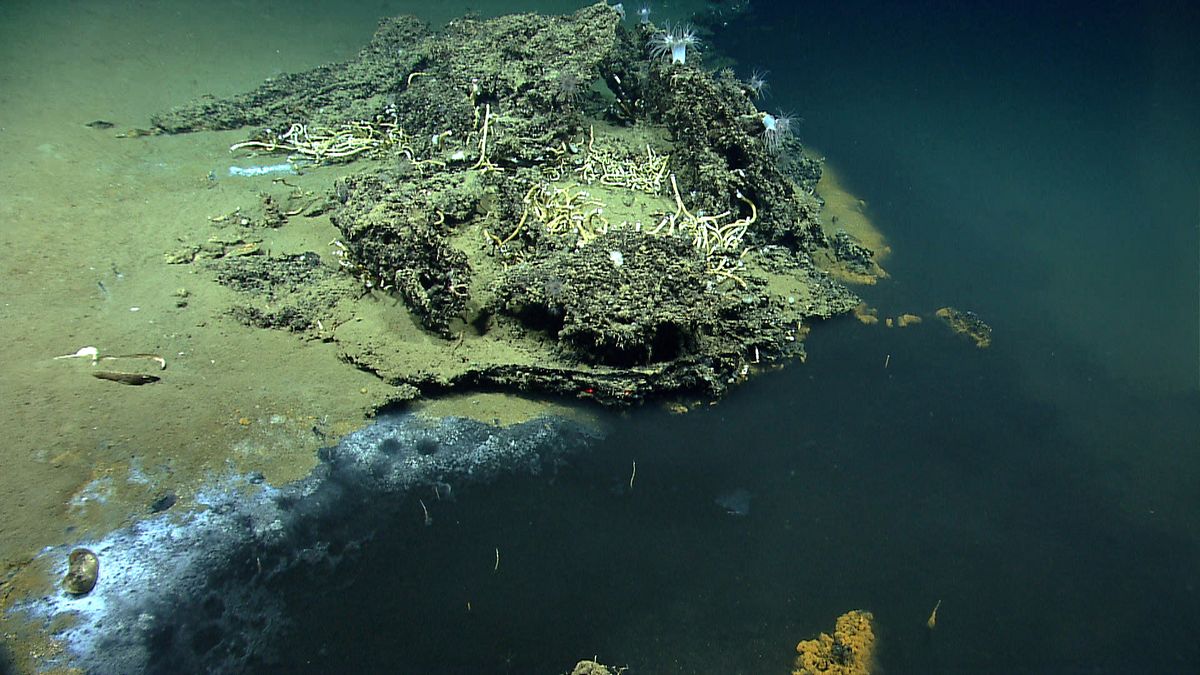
x=133 y=379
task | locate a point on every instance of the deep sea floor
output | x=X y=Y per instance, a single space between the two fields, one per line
x=1034 y=163
x=886 y=490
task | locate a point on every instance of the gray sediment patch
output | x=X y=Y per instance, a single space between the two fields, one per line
x=204 y=590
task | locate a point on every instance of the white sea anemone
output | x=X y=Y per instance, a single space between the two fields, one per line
x=776 y=129
x=673 y=42
x=757 y=85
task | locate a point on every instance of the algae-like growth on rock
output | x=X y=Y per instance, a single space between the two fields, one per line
x=849 y=651
x=552 y=207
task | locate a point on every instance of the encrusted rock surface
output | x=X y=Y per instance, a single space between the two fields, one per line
x=556 y=209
